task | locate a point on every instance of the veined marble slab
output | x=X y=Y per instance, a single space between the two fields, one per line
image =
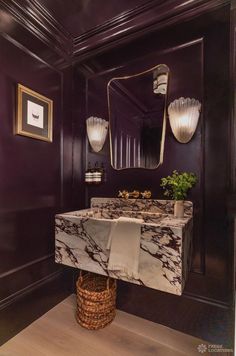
x=146 y=205
x=165 y=244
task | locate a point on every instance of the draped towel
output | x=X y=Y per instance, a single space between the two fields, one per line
x=124 y=245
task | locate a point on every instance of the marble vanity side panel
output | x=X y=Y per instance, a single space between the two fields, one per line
x=160 y=263
x=81 y=243
x=148 y=205
x=163 y=246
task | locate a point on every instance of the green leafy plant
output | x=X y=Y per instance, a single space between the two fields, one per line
x=177 y=185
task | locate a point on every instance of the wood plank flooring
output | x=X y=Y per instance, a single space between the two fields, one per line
x=58 y=334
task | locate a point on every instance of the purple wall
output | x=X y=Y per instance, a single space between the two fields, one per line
x=198 y=56
x=38 y=179
x=32 y=185
x=177 y=156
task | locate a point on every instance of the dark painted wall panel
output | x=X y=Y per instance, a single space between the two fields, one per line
x=180 y=60
x=79 y=146
x=31 y=180
x=201 y=71
x=32 y=192
x=67 y=139
x=193 y=73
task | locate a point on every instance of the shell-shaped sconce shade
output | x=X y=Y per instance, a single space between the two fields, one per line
x=97 y=132
x=183 y=116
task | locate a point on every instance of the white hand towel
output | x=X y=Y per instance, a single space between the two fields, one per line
x=112 y=228
x=125 y=246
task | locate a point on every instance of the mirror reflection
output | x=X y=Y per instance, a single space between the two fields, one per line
x=137 y=118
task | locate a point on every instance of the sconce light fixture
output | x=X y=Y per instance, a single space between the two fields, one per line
x=183 y=116
x=160 y=80
x=97 y=132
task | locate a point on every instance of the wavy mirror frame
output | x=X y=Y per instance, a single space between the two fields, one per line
x=163 y=134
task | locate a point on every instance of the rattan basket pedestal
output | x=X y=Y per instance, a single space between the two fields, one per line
x=96 y=300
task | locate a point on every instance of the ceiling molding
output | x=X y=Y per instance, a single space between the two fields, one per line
x=31 y=17
x=118 y=20
x=33 y=23
x=153 y=15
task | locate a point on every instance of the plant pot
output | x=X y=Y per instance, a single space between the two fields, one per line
x=179 y=209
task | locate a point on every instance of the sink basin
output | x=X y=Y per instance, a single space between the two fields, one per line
x=165 y=244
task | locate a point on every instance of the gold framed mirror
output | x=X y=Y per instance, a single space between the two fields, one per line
x=137 y=118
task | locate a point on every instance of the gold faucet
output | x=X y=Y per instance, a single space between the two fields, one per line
x=146 y=194
x=126 y=195
x=135 y=194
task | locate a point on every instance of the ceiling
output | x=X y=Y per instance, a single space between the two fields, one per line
x=64 y=32
x=80 y=16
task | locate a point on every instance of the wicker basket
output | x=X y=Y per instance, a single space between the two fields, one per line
x=96 y=300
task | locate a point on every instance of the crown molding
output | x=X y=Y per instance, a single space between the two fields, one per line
x=32 y=25
x=29 y=22
x=153 y=15
x=119 y=19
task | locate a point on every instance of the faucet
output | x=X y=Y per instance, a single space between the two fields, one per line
x=146 y=194
x=126 y=195
x=135 y=194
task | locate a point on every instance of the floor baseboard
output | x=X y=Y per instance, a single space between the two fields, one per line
x=21 y=309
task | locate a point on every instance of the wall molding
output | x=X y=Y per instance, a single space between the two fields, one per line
x=30 y=22
x=131 y=24
x=233 y=99
x=26 y=265
x=91 y=72
x=28 y=289
x=26 y=50
x=37 y=20
x=209 y=301
x=22 y=308
x=61 y=49
x=24 y=276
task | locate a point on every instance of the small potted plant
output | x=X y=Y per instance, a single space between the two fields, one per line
x=176 y=187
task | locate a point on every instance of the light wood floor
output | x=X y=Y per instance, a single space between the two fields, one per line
x=58 y=334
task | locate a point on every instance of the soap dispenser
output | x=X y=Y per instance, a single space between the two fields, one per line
x=97 y=175
x=88 y=175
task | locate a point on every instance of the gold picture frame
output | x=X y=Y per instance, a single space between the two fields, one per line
x=34 y=114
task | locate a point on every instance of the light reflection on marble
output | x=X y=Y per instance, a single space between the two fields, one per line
x=81 y=240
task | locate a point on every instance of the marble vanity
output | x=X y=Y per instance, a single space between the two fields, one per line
x=165 y=244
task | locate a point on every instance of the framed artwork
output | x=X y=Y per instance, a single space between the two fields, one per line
x=33 y=115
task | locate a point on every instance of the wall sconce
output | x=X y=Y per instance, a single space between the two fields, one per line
x=183 y=116
x=160 y=82
x=97 y=132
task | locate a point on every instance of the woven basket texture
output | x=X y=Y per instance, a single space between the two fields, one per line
x=96 y=300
